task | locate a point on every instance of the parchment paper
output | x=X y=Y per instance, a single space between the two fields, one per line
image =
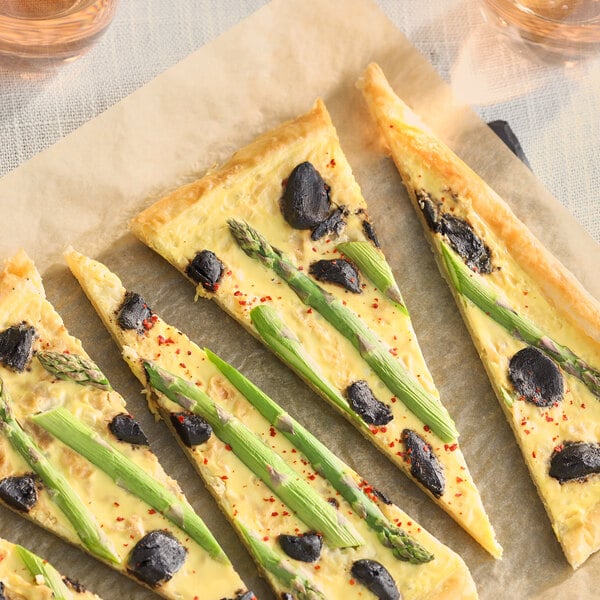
x=267 y=69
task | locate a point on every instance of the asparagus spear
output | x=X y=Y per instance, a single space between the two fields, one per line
x=73 y=367
x=282 y=569
x=473 y=287
x=373 y=264
x=284 y=343
x=127 y=474
x=328 y=464
x=61 y=492
x=266 y=464
x=40 y=568
x=401 y=383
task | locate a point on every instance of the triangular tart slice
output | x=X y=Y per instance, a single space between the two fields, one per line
x=536 y=329
x=77 y=463
x=264 y=514
x=23 y=574
x=279 y=238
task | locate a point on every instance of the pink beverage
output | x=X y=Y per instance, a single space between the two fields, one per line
x=567 y=27
x=51 y=30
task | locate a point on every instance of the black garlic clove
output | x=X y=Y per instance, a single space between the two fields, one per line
x=306 y=548
x=575 y=461
x=333 y=224
x=16 y=345
x=536 y=377
x=366 y=405
x=376 y=578
x=206 y=269
x=430 y=209
x=284 y=596
x=424 y=464
x=156 y=558
x=338 y=271
x=467 y=244
x=192 y=429
x=2 y=595
x=305 y=202
x=134 y=313
x=126 y=429
x=19 y=492
x=370 y=233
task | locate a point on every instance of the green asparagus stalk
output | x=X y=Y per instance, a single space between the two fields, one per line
x=61 y=492
x=127 y=474
x=400 y=382
x=373 y=264
x=276 y=564
x=266 y=464
x=40 y=568
x=472 y=286
x=284 y=343
x=73 y=367
x=339 y=475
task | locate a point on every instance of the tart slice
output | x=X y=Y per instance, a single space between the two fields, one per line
x=219 y=418
x=23 y=574
x=95 y=482
x=536 y=329
x=280 y=238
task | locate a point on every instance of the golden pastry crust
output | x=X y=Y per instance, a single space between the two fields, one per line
x=248 y=187
x=423 y=160
x=568 y=295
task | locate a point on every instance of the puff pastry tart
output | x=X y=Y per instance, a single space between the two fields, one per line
x=77 y=463
x=315 y=528
x=23 y=574
x=536 y=329
x=280 y=238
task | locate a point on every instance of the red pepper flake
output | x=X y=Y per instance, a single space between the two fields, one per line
x=534 y=454
x=285 y=513
x=458 y=495
x=582 y=405
x=409 y=523
x=180 y=418
x=151 y=512
x=205 y=461
x=352 y=582
x=393 y=399
x=274 y=514
x=317 y=567
x=331 y=163
x=459 y=480
x=237 y=293
x=224 y=477
x=266 y=538
x=242 y=302
x=450 y=447
x=228 y=447
x=312 y=477
x=272 y=431
x=294 y=450
x=162 y=340
x=394 y=351
x=427 y=428
x=301 y=268
x=178 y=351
x=375 y=305
x=549 y=418
x=266 y=299
x=116 y=504
x=119 y=519
x=564 y=417
x=182 y=365
x=309 y=311
x=392 y=444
